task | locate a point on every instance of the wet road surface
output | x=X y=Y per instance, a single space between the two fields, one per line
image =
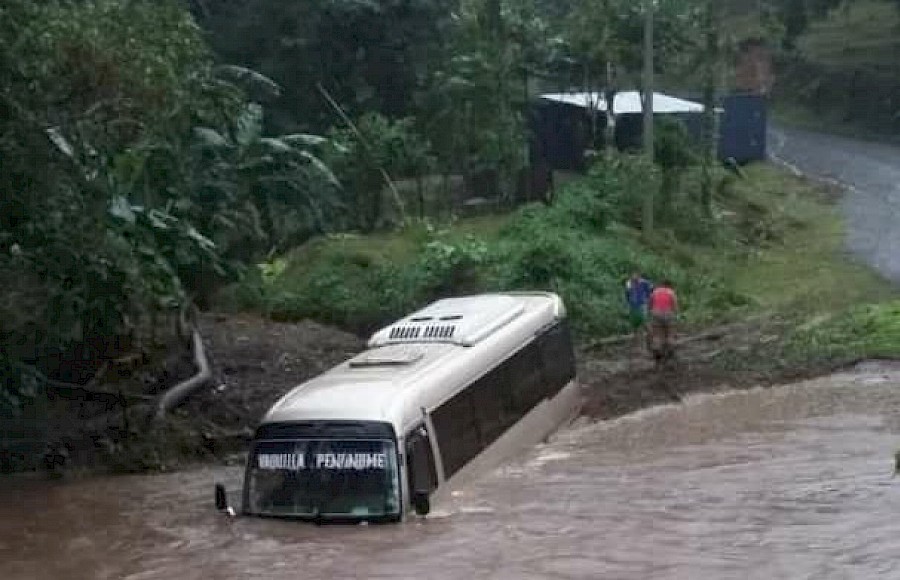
x=792 y=482
x=871 y=174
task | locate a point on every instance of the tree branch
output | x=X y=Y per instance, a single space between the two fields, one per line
x=177 y=394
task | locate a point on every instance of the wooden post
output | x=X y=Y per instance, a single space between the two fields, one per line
x=647 y=225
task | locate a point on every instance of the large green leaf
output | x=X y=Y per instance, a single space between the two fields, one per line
x=249 y=125
x=210 y=137
x=320 y=166
x=276 y=145
x=56 y=137
x=304 y=139
x=250 y=79
x=119 y=207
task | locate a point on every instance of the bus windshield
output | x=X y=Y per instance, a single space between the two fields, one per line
x=324 y=478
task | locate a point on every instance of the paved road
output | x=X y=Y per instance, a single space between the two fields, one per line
x=871 y=174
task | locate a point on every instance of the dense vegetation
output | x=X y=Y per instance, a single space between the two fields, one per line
x=140 y=170
x=152 y=151
x=582 y=247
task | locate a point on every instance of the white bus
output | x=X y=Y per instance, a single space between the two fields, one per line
x=439 y=395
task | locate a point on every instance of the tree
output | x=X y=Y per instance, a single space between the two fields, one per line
x=289 y=190
x=648 y=97
x=364 y=154
x=127 y=164
x=711 y=66
x=370 y=55
x=605 y=39
x=795 y=18
x=83 y=86
x=475 y=105
x=673 y=153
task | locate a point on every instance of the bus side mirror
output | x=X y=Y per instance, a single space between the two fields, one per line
x=421 y=502
x=221 y=498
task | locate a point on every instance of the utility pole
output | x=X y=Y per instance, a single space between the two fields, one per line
x=713 y=87
x=647 y=224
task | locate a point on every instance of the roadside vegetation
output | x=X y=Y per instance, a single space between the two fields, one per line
x=813 y=307
x=582 y=246
x=772 y=251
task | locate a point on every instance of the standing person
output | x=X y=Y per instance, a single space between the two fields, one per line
x=663 y=311
x=637 y=294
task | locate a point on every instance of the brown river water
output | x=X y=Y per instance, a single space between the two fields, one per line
x=791 y=482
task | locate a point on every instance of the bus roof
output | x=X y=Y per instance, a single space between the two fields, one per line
x=406 y=371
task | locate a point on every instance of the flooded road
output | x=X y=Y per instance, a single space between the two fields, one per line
x=792 y=482
x=870 y=172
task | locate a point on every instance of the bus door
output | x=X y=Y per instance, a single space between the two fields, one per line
x=421 y=473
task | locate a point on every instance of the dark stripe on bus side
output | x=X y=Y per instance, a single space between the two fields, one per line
x=476 y=416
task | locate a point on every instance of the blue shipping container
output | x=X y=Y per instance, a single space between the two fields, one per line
x=742 y=132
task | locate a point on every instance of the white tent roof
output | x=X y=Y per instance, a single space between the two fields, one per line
x=626 y=102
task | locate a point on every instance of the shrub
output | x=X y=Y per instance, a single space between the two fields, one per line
x=871 y=331
x=622 y=182
x=565 y=248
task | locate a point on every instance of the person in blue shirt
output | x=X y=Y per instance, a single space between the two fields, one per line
x=637 y=295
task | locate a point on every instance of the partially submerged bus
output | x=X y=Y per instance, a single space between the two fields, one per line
x=446 y=392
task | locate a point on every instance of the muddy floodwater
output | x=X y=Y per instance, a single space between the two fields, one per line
x=792 y=482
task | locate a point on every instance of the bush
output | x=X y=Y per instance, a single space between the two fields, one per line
x=871 y=331
x=90 y=246
x=565 y=248
x=622 y=182
x=355 y=290
x=540 y=251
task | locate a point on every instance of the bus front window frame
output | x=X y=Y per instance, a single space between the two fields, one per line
x=320 y=500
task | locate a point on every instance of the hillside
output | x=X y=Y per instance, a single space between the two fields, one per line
x=844 y=74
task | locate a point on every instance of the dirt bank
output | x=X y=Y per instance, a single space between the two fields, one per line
x=256 y=361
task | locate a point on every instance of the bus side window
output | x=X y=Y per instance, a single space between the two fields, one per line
x=524 y=387
x=488 y=404
x=557 y=356
x=420 y=461
x=456 y=426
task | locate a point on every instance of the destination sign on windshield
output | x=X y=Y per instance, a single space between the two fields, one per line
x=338 y=461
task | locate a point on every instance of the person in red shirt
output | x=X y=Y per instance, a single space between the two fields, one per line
x=663 y=307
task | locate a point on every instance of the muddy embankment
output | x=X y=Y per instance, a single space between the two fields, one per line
x=255 y=361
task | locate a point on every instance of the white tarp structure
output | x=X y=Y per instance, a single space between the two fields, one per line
x=626 y=102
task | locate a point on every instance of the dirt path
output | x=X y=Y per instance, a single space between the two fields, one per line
x=735 y=356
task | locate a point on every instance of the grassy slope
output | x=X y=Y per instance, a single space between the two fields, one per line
x=833 y=310
x=792 y=270
x=806 y=272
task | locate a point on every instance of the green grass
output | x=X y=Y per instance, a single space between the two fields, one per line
x=869 y=331
x=773 y=251
x=806 y=272
x=832 y=309
x=399 y=246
